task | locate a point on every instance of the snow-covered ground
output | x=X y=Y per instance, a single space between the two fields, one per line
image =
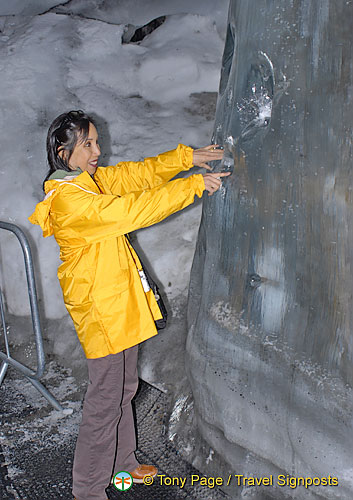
x=146 y=98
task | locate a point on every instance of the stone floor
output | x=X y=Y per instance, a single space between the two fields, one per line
x=37 y=442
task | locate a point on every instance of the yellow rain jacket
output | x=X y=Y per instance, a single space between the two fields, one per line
x=99 y=272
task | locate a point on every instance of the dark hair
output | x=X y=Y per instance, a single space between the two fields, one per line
x=63 y=135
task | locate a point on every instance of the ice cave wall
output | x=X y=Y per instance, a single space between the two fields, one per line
x=75 y=57
x=270 y=317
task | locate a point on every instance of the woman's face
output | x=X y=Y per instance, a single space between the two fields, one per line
x=86 y=153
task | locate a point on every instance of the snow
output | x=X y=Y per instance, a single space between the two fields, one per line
x=146 y=98
x=29 y=7
x=140 y=12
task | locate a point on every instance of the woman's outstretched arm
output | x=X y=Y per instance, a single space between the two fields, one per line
x=126 y=177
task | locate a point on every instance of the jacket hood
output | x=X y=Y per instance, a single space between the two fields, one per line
x=41 y=214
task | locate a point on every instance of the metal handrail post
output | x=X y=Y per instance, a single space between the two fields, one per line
x=27 y=254
x=3 y=370
x=32 y=292
x=4 y=365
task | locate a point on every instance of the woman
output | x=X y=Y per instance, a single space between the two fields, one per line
x=90 y=210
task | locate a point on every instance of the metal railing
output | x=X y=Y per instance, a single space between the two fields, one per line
x=7 y=360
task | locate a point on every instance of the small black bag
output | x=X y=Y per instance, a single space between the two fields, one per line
x=162 y=322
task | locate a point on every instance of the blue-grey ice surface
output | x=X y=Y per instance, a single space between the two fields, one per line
x=270 y=306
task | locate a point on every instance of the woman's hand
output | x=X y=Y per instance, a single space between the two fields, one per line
x=208 y=153
x=213 y=181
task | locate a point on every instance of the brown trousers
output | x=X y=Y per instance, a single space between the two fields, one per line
x=106 y=441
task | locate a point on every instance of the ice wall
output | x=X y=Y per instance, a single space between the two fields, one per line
x=269 y=350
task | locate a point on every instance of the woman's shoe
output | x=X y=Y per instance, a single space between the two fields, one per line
x=142 y=471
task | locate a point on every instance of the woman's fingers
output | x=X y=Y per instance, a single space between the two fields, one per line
x=206 y=154
x=221 y=174
x=213 y=181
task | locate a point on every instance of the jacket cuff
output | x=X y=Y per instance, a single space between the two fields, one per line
x=199 y=184
x=186 y=156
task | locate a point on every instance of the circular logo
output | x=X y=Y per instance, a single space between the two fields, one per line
x=123 y=481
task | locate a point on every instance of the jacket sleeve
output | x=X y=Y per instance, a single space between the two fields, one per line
x=126 y=177
x=81 y=218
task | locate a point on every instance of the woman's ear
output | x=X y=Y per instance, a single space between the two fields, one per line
x=64 y=155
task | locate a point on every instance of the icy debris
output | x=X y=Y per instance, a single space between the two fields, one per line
x=182 y=405
x=40 y=419
x=224 y=314
x=209 y=458
x=259 y=106
x=222 y=191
